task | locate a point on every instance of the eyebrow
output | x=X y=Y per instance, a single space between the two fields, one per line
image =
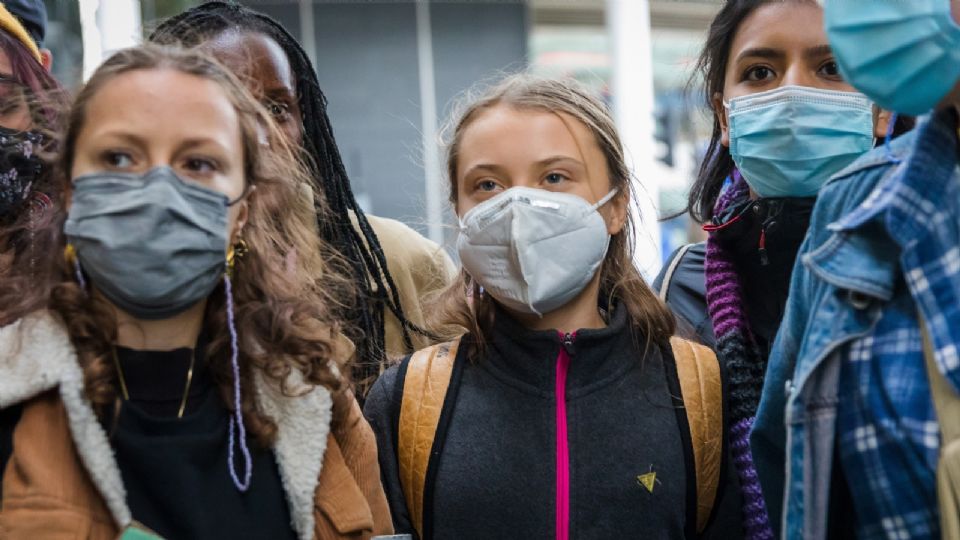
x=557 y=159
x=280 y=91
x=130 y=138
x=761 y=52
x=776 y=54
x=819 y=50
x=200 y=141
x=137 y=140
x=483 y=166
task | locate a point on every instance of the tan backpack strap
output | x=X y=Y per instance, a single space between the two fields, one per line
x=699 y=375
x=424 y=390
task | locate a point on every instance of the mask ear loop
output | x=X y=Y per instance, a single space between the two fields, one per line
x=70 y=253
x=238 y=413
x=606 y=198
x=886 y=140
x=248 y=188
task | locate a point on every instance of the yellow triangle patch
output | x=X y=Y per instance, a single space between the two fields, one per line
x=648 y=480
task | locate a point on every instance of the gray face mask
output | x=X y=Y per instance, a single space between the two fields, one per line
x=153 y=244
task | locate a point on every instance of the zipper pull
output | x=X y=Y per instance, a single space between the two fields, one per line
x=764 y=258
x=567 y=342
x=769 y=223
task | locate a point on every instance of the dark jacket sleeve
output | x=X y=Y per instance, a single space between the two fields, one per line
x=382 y=409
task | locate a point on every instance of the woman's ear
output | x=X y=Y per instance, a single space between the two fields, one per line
x=721 y=113
x=881 y=122
x=243 y=213
x=616 y=214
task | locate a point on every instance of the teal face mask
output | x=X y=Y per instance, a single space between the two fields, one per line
x=787 y=142
x=903 y=54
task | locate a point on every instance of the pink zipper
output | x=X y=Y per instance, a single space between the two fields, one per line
x=563 y=448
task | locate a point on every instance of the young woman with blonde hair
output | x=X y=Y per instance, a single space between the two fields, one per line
x=566 y=409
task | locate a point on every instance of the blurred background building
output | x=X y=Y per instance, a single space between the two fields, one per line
x=393 y=70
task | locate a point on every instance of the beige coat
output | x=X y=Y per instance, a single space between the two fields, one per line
x=419 y=268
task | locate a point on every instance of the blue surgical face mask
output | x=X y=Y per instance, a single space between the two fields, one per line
x=903 y=54
x=787 y=142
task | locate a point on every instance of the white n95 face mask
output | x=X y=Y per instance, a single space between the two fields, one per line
x=534 y=250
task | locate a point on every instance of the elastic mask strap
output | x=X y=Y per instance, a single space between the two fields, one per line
x=247 y=188
x=70 y=255
x=79 y=273
x=889 y=137
x=237 y=412
x=606 y=198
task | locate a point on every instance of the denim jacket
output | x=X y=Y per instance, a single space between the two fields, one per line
x=846 y=274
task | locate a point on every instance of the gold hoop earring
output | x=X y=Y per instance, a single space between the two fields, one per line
x=237 y=251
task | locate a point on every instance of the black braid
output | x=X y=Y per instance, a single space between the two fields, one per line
x=360 y=248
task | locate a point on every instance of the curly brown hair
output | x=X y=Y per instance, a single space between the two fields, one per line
x=287 y=288
x=461 y=307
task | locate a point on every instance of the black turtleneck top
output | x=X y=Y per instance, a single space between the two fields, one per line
x=175 y=469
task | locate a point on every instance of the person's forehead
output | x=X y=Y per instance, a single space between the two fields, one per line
x=495 y=120
x=256 y=56
x=165 y=98
x=769 y=23
x=520 y=137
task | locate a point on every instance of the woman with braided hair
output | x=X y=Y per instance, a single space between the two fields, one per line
x=394 y=267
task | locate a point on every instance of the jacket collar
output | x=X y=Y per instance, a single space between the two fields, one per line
x=528 y=358
x=925 y=161
x=36 y=356
x=878 y=226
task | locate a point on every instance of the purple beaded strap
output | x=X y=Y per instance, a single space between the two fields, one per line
x=237 y=411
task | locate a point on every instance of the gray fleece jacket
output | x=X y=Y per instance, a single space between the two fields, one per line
x=494 y=472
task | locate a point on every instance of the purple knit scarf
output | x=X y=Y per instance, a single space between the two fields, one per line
x=738 y=352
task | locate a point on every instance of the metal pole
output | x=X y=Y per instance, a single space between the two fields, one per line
x=90 y=36
x=428 y=124
x=628 y=23
x=106 y=27
x=308 y=36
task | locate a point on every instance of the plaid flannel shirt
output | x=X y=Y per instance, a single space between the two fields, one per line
x=887 y=428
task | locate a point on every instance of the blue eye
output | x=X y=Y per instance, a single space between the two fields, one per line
x=487 y=185
x=555 y=178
